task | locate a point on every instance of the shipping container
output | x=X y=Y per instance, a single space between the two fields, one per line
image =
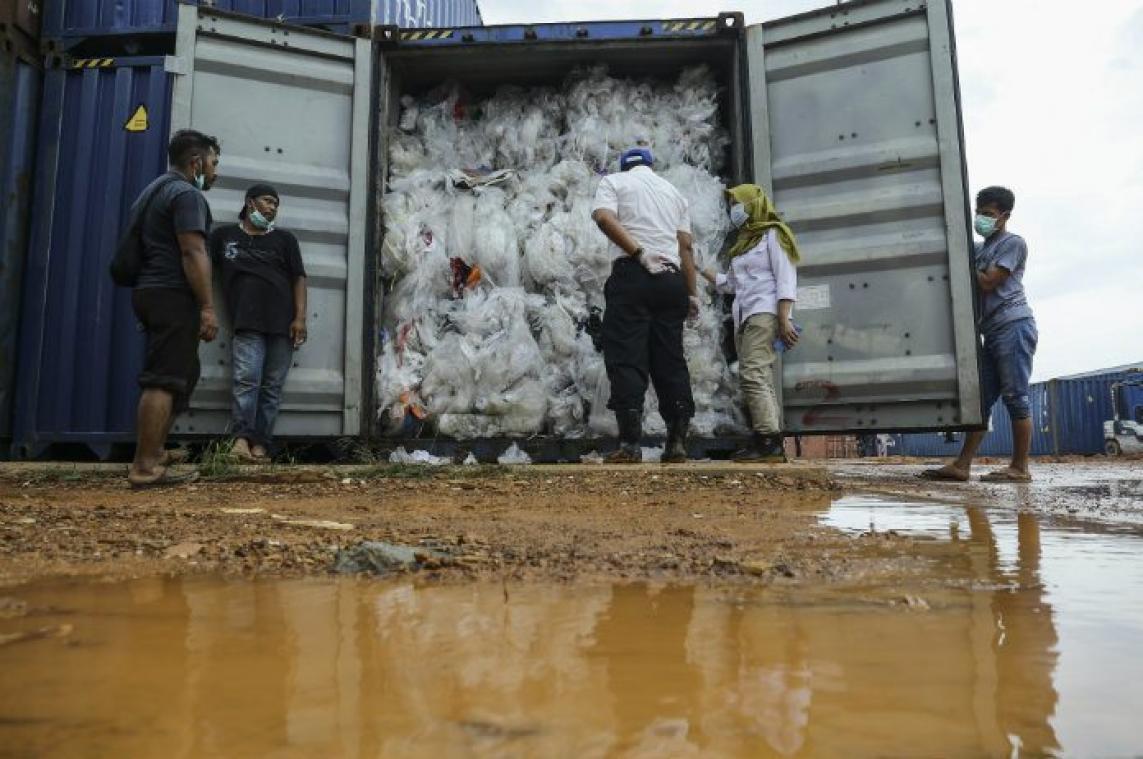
x=1067 y=419
x=102 y=137
x=298 y=118
x=1081 y=406
x=72 y=19
x=20 y=80
x=81 y=331
x=849 y=115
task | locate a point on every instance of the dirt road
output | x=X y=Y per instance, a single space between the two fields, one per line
x=715 y=522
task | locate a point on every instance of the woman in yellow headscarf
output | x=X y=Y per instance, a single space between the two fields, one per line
x=763 y=279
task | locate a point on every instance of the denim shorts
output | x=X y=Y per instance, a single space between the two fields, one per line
x=1007 y=367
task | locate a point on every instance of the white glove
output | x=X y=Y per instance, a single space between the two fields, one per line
x=656 y=263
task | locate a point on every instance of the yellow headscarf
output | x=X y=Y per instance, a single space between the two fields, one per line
x=761 y=218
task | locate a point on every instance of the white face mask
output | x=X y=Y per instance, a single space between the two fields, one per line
x=738 y=215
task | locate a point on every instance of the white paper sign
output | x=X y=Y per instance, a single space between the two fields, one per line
x=813 y=298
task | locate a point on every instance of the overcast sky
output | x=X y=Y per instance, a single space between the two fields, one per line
x=1052 y=94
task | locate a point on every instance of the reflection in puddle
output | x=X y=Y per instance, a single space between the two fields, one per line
x=1045 y=659
x=864 y=514
x=1069 y=612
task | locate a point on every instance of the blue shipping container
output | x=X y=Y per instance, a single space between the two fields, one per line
x=998 y=441
x=1082 y=406
x=1067 y=419
x=69 y=19
x=80 y=349
x=19 y=102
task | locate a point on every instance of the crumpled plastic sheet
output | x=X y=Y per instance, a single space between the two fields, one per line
x=513 y=455
x=401 y=456
x=505 y=184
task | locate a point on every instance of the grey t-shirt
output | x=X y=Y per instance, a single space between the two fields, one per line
x=1007 y=303
x=178 y=207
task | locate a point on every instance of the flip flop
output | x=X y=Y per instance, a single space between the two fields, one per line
x=244 y=458
x=942 y=475
x=173 y=456
x=165 y=480
x=1006 y=475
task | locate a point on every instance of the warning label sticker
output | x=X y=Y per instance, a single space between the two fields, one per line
x=813 y=297
x=138 y=120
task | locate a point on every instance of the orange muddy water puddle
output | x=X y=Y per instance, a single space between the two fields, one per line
x=1024 y=640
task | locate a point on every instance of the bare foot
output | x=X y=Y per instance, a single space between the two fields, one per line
x=1010 y=474
x=137 y=476
x=242 y=452
x=165 y=478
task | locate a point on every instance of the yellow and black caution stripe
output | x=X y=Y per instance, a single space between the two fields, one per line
x=427 y=34
x=92 y=63
x=698 y=25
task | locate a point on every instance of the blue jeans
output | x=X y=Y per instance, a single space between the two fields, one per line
x=261 y=363
x=1007 y=368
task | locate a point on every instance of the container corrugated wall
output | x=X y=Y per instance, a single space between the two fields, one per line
x=859 y=120
x=80 y=349
x=66 y=19
x=1082 y=406
x=418 y=13
x=1067 y=419
x=19 y=102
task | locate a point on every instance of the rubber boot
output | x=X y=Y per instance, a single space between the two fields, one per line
x=630 y=435
x=763 y=449
x=675 y=451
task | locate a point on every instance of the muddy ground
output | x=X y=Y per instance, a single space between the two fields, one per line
x=722 y=523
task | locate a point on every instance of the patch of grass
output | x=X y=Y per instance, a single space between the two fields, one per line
x=217 y=459
x=396 y=472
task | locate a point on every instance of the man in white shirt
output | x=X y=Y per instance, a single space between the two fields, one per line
x=649 y=295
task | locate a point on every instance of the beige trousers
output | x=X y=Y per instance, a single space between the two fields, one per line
x=756 y=356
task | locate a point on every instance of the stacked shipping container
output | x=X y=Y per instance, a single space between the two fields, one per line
x=99 y=134
x=70 y=20
x=20 y=78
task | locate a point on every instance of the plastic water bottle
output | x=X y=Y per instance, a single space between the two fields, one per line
x=780 y=344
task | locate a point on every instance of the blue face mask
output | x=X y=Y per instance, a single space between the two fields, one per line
x=200 y=181
x=738 y=214
x=984 y=225
x=260 y=221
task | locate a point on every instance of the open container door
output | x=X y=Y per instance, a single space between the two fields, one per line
x=291 y=107
x=856 y=131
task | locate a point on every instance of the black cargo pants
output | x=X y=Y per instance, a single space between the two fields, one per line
x=643 y=337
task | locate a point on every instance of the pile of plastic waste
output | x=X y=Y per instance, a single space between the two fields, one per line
x=496 y=268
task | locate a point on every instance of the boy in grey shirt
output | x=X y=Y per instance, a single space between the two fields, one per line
x=1009 y=333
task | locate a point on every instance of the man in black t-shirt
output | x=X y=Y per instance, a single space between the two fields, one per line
x=264 y=286
x=172 y=298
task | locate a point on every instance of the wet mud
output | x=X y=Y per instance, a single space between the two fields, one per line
x=1019 y=638
x=576 y=612
x=536 y=523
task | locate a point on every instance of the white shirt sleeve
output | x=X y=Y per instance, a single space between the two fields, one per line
x=723 y=283
x=606 y=197
x=785 y=273
x=684 y=224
